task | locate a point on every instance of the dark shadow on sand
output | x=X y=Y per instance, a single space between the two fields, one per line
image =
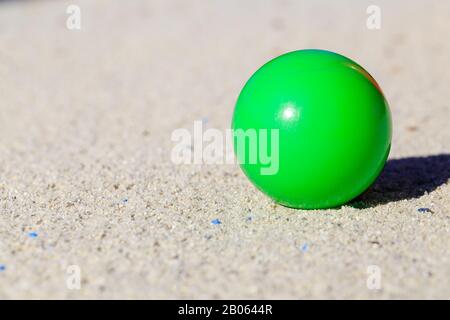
x=406 y=178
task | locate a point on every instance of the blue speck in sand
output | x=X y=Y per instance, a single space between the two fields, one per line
x=32 y=234
x=249 y=218
x=216 y=221
x=304 y=247
x=424 y=210
x=2 y=267
x=125 y=200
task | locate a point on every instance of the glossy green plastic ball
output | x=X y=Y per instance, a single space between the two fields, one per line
x=333 y=125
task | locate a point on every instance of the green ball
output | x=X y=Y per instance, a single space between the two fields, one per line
x=312 y=129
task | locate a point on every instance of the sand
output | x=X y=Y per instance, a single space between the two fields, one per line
x=86 y=177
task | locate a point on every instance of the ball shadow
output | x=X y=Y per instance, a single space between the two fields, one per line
x=406 y=178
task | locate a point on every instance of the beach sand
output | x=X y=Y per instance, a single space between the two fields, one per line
x=86 y=178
